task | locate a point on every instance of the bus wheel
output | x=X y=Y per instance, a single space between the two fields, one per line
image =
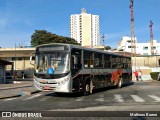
x=86 y=89
x=120 y=82
x=91 y=87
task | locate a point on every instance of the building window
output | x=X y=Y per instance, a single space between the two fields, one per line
x=154 y=48
x=14 y=58
x=19 y=58
x=145 y=48
x=145 y=53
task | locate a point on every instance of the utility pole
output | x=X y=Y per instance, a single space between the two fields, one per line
x=133 y=41
x=15 y=71
x=15 y=56
x=103 y=37
x=151 y=38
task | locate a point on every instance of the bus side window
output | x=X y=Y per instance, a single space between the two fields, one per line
x=98 y=60
x=75 y=60
x=88 y=59
x=107 y=61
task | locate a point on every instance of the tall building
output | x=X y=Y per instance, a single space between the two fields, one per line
x=141 y=48
x=84 y=28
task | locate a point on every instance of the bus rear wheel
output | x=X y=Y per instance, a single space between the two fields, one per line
x=87 y=89
x=120 y=82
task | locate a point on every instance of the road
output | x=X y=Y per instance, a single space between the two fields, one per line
x=138 y=96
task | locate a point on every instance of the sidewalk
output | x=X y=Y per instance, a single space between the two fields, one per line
x=19 y=87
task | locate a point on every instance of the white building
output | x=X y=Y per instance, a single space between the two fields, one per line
x=84 y=28
x=141 y=48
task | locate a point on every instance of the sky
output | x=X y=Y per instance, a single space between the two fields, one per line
x=20 y=18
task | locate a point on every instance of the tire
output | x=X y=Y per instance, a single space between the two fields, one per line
x=91 y=87
x=120 y=82
x=86 y=89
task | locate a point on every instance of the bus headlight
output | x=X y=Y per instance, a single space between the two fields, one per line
x=36 y=81
x=65 y=80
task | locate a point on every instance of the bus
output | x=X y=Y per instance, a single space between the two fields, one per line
x=67 y=68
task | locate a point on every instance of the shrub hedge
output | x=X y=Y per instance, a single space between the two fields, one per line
x=154 y=75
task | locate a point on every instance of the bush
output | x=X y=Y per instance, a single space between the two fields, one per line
x=154 y=75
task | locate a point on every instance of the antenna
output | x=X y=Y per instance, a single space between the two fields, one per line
x=103 y=37
x=133 y=41
x=151 y=38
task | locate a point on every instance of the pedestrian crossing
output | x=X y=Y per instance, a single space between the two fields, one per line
x=32 y=97
x=157 y=99
x=118 y=98
x=137 y=98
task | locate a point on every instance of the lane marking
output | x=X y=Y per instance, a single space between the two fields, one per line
x=44 y=99
x=79 y=99
x=101 y=96
x=99 y=99
x=137 y=98
x=118 y=98
x=155 y=98
x=34 y=96
x=10 y=99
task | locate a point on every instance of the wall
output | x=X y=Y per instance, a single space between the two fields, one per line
x=146 y=64
x=22 y=61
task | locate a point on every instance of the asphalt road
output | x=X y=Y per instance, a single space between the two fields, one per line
x=138 y=96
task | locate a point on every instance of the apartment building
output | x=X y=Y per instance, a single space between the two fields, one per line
x=84 y=28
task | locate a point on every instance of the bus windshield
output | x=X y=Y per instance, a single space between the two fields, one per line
x=56 y=62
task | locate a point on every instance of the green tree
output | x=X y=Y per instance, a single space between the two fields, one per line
x=43 y=37
x=107 y=48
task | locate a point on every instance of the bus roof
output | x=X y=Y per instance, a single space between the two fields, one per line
x=80 y=47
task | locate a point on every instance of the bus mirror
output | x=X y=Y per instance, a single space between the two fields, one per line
x=31 y=60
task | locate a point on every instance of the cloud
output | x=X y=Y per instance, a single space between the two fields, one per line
x=111 y=39
x=113 y=36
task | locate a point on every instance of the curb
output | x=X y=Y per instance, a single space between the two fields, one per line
x=20 y=94
x=35 y=92
x=6 y=88
x=10 y=97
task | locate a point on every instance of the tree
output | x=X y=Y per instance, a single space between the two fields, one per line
x=107 y=48
x=43 y=37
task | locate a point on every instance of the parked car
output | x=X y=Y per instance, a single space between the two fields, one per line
x=9 y=75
